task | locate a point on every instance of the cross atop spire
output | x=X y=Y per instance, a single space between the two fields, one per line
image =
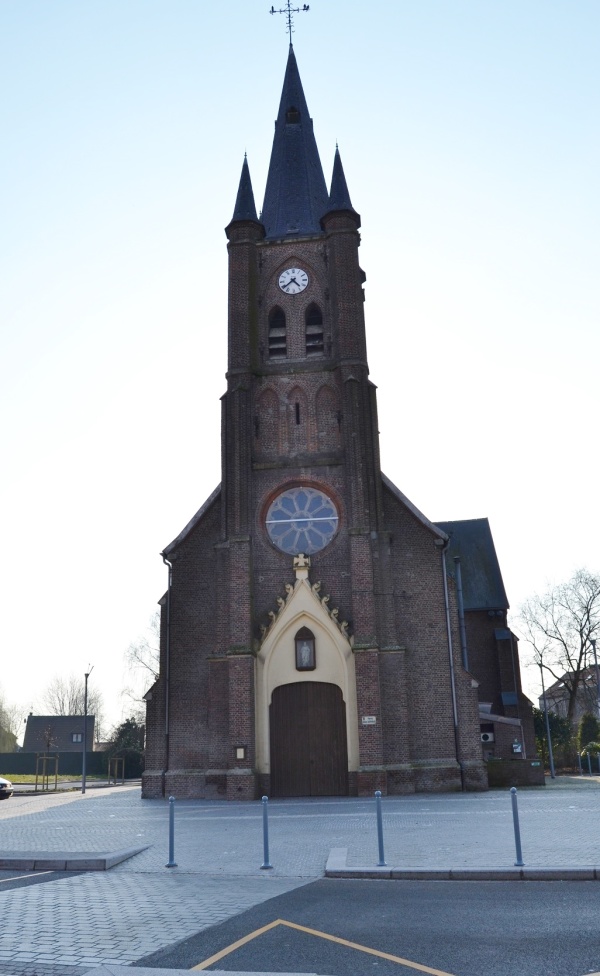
x=289 y=11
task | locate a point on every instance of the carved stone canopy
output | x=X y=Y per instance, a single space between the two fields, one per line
x=301 y=566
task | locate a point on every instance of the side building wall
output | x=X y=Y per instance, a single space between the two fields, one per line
x=177 y=762
x=493 y=652
x=421 y=737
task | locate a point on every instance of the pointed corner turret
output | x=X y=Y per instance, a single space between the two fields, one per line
x=245 y=208
x=296 y=193
x=339 y=197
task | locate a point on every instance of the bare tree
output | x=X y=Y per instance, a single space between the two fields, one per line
x=11 y=717
x=11 y=724
x=66 y=696
x=142 y=659
x=143 y=655
x=48 y=737
x=560 y=625
x=62 y=696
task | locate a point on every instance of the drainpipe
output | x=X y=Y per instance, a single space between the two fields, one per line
x=549 y=737
x=443 y=547
x=514 y=670
x=593 y=643
x=167 y=658
x=461 y=614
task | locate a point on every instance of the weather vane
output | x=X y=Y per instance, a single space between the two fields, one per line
x=288 y=10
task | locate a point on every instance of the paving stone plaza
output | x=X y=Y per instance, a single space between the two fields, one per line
x=86 y=920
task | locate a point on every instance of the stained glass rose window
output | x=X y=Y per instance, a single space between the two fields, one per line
x=302 y=520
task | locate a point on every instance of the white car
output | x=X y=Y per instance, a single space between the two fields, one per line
x=6 y=788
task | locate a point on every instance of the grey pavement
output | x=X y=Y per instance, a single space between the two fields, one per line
x=80 y=922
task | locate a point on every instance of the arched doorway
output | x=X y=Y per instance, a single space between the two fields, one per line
x=309 y=751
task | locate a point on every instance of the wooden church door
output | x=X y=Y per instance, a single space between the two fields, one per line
x=309 y=750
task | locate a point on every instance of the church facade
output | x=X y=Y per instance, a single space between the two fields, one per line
x=315 y=636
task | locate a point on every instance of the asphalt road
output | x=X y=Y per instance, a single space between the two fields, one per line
x=446 y=928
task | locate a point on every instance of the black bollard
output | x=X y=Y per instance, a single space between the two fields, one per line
x=381 y=862
x=172 y=863
x=266 y=864
x=519 y=862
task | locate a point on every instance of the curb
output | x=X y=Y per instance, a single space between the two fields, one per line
x=336 y=868
x=112 y=970
x=60 y=861
x=69 y=788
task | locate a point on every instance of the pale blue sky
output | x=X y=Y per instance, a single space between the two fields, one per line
x=470 y=138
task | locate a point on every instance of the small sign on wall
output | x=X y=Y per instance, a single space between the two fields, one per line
x=368 y=719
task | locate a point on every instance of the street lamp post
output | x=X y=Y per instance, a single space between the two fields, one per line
x=85 y=704
x=548 y=736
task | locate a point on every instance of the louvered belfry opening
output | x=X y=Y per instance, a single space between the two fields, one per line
x=314 y=331
x=277 y=334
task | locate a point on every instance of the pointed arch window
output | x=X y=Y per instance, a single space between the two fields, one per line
x=292 y=116
x=314 y=331
x=277 y=334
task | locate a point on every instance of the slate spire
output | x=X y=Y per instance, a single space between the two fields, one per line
x=296 y=194
x=245 y=208
x=339 y=197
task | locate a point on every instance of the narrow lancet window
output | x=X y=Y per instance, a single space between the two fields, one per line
x=277 y=334
x=314 y=331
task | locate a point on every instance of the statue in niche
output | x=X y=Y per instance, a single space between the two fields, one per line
x=305 y=650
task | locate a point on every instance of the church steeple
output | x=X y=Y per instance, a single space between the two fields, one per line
x=245 y=208
x=339 y=197
x=296 y=194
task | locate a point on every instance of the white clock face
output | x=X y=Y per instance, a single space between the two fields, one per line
x=293 y=280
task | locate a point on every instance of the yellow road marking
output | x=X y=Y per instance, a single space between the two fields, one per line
x=330 y=938
x=234 y=946
x=371 y=952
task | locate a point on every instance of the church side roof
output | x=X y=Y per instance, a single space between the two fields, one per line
x=193 y=522
x=296 y=195
x=435 y=529
x=471 y=539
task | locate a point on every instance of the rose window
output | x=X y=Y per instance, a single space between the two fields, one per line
x=302 y=520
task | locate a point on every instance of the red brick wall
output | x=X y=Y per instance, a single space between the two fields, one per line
x=382 y=571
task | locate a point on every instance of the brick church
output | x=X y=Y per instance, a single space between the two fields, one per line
x=320 y=636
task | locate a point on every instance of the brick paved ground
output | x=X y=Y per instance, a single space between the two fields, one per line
x=77 y=922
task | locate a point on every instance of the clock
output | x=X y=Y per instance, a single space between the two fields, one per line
x=293 y=280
